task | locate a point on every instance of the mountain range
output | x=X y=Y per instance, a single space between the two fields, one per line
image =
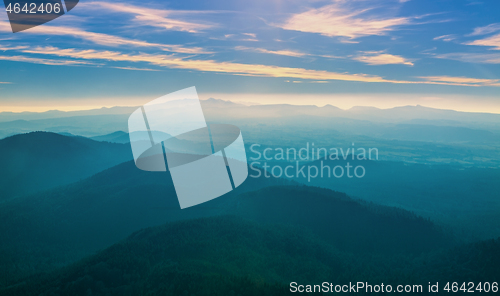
x=55 y=227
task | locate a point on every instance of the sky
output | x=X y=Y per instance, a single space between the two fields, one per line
x=384 y=53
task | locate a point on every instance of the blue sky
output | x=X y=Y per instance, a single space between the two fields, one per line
x=440 y=53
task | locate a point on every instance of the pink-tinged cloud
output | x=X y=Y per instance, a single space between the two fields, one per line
x=338 y=19
x=104 y=39
x=464 y=81
x=493 y=41
x=482 y=58
x=151 y=17
x=492 y=28
x=379 y=58
x=45 y=61
x=174 y=62
x=290 y=53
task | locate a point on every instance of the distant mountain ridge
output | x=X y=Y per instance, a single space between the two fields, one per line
x=11 y=116
x=390 y=115
x=395 y=114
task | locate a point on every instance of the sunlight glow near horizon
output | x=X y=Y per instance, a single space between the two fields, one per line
x=462 y=103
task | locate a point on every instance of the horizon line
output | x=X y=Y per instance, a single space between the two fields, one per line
x=246 y=104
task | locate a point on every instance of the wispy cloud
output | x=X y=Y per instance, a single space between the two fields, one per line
x=463 y=81
x=253 y=35
x=340 y=19
x=135 y=69
x=493 y=41
x=446 y=38
x=485 y=30
x=150 y=17
x=286 y=52
x=290 y=53
x=380 y=58
x=482 y=58
x=46 y=61
x=103 y=39
x=249 y=37
x=170 y=61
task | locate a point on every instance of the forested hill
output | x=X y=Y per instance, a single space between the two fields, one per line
x=62 y=225
x=227 y=255
x=42 y=160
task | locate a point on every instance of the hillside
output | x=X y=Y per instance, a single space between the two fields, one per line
x=64 y=224
x=225 y=255
x=228 y=255
x=466 y=198
x=41 y=160
x=116 y=137
x=347 y=224
x=50 y=229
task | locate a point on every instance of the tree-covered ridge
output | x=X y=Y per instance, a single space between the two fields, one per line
x=228 y=255
x=42 y=160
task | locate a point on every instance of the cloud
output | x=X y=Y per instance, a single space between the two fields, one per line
x=286 y=52
x=103 y=39
x=135 y=69
x=290 y=53
x=257 y=70
x=170 y=61
x=446 y=38
x=249 y=37
x=45 y=61
x=380 y=58
x=493 y=41
x=253 y=35
x=5 y=47
x=463 y=81
x=150 y=17
x=486 y=30
x=338 y=19
x=482 y=58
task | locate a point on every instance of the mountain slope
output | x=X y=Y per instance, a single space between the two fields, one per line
x=116 y=137
x=55 y=227
x=347 y=224
x=466 y=198
x=61 y=225
x=228 y=255
x=232 y=253
x=40 y=160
